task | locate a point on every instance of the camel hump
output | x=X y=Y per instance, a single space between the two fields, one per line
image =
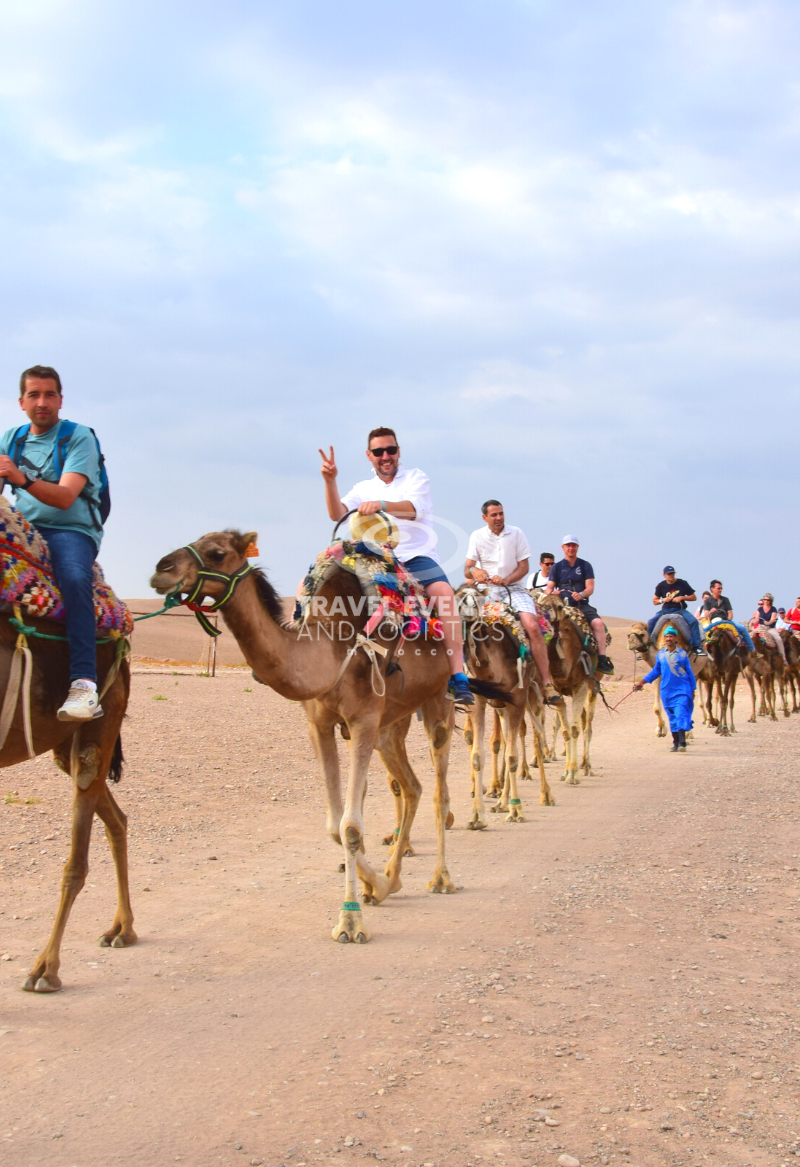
x=677 y=621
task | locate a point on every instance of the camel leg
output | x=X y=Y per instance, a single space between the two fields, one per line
x=498 y=767
x=44 y=976
x=524 y=769
x=390 y=839
x=363 y=735
x=392 y=748
x=782 y=680
x=468 y=728
x=588 y=722
x=731 y=702
x=438 y=715
x=512 y=719
x=578 y=705
x=658 y=709
x=121 y=933
x=501 y=806
x=550 y=755
x=722 y=728
x=539 y=746
x=478 y=820
x=751 y=683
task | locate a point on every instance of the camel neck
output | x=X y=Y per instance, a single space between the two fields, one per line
x=297 y=667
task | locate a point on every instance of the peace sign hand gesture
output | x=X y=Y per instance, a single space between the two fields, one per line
x=328 y=468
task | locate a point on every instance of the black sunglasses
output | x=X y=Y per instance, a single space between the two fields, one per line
x=379 y=451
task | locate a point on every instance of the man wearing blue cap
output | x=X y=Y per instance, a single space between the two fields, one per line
x=673 y=594
x=678 y=684
x=573 y=579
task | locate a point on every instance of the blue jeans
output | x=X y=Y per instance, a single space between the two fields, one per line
x=691 y=620
x=73 y=555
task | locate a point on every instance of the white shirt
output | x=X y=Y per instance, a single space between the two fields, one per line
x=498 y=554
x=417 y=536
x=537 y=579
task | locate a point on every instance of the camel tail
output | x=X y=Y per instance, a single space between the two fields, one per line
x=117 y=759
x=489 y=691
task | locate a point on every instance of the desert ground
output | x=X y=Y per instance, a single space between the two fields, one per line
x=615 y=980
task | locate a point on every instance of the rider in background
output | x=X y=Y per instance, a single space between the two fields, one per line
x=719 y=609
x=539 y=578
x=573 y=579
x=498 y=556
x=765 y=619
x=793 y=616
x=674 y=595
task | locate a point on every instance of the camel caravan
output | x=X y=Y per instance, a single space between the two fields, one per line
x=378 y=635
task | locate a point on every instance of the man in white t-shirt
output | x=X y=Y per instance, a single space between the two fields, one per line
x=498 y=555
x=406 y=496
x=541 y=577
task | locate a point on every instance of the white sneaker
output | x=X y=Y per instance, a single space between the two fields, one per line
x=81 y=705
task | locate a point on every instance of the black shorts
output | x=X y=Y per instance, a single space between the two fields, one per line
x=589 y=612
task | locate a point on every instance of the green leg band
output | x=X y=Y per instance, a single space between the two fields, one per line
x=351 y=906
x=515 y=802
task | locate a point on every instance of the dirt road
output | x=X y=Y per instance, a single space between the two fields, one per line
x=615 y=979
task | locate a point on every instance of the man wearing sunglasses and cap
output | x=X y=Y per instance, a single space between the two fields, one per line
x=673 y=594
x=573 y=579
x=406 y=496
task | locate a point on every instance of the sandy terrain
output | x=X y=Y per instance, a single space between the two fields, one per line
x=615 y=979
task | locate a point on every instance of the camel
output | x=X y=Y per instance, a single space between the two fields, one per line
x=766 y=666
x=730 y=657
x=89 y=752
x=341 y=678
x=492 y=655
x=791 y=644
x=572 y=676
x=642 y=645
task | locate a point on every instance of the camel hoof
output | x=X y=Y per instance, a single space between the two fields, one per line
x=476 y=823
x=441 y=885
x=35 y=984
x=587 y=772
x=448 y=822
x=515 y=815
x=387 y=840
x=546 y=799
x=351 y=928
x=573 y=780
x=341 y=868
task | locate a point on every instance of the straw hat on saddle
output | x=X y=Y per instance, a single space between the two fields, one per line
x=379 y=529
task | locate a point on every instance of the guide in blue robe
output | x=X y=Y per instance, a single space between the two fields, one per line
x=677 y=686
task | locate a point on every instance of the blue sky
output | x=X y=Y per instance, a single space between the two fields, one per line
x=556 y=246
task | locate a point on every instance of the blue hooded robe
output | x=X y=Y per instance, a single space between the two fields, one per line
x=677 y=687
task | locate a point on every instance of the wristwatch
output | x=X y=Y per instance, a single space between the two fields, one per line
x=29 y=481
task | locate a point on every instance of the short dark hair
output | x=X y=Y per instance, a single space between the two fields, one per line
x=381 y=431
x=490 y=502
x=706 y=594
x=715 y=581
x=547 y=555
x=43 y=371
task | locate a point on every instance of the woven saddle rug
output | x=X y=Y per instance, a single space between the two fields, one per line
x=394 y=595
x=498 y=612
x=26 y=577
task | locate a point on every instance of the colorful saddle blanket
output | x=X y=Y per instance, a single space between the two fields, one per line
x=394 y=595
x=578 y=619
x=725 y=626
x=26 y=577
x=498 y=612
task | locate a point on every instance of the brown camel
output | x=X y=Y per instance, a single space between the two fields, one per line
x=492 y=656
x=573 y=676
x=791 y=644
x=766 y=667
x=90 y=752
x=730 y=657
x=342 y=679
x=645 y=649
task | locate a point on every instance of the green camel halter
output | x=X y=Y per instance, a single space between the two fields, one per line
x=216 y=576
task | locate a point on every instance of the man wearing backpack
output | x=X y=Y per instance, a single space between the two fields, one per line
x=55 y=469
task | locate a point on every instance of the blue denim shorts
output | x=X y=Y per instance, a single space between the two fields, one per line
x=426 y=570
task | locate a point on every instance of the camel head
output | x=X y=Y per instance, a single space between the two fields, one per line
x=470 y=602
x=221 y=551
x=639 y=638
x=551 y=603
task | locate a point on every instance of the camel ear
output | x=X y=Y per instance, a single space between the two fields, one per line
x=246 y=545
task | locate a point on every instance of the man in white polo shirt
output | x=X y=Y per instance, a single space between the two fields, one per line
x=498 y=555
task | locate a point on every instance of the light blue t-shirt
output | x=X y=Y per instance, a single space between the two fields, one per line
x=81 y=458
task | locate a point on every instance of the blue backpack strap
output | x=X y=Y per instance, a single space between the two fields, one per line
x=17 y=442
x=60 y=452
